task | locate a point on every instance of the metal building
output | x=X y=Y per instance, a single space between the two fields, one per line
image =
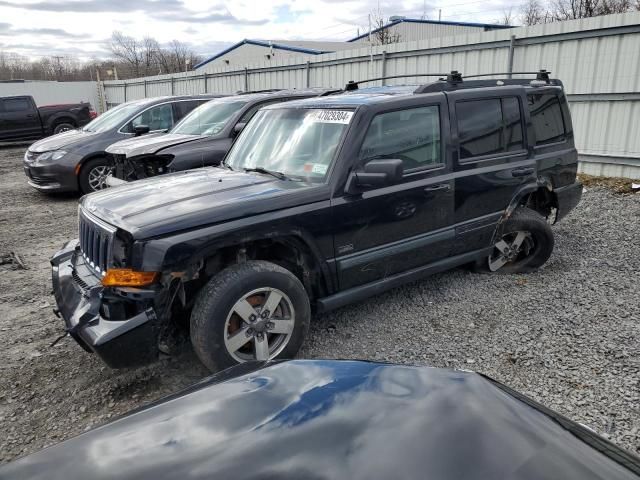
x=402 y=29
x=256 y=51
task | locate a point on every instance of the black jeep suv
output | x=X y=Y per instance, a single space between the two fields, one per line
x=320 y=203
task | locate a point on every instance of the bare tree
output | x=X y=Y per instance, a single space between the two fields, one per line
x=572 y=9
x=533 y=12
x=507 y=18
x=128 y=50
x=381 y=35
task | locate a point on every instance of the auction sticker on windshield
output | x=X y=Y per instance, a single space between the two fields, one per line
x=332 y=116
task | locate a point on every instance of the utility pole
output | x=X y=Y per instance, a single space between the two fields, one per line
x=59 y=69
x=370 y=43
x=439 y=14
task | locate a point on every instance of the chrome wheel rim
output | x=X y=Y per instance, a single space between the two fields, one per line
x=97 y=177
x=513 y=247
x=259 y=325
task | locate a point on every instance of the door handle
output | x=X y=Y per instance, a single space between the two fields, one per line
x=29 y=115
x=522 y=172
x=441 y=187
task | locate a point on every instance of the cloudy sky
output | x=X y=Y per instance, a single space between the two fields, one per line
x=82 y=27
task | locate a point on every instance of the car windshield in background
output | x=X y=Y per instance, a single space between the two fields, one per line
x=210 y=118
x=294 y=141
x=112 y=118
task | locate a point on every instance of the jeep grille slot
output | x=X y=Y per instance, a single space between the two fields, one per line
x=96 y=241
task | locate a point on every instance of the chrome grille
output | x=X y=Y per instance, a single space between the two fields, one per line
x=96 y=241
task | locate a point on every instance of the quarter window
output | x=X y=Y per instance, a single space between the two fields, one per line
x=412 y=135
x=546 y=116
x=489 y=127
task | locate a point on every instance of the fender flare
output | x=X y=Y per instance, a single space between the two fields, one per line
x=57 y=117
x=523 y=191
x=187 y=253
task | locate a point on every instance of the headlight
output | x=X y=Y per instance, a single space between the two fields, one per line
x=55 y=155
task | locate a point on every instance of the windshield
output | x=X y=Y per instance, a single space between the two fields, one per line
x=112 y=118
x=294 y=141
x=210 y=118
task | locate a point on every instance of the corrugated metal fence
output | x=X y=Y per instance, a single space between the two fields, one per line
x=598 y=59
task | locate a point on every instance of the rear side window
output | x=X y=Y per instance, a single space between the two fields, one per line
x=412 y=135
x=248 y=115
x=546 y=117
x=16 y=105
x=489 y=127
x=180 y=109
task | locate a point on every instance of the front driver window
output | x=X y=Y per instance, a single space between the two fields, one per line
x=412 y=135
x=156 y=118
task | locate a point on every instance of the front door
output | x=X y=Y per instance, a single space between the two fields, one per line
x=20 y=118
x=387 y=230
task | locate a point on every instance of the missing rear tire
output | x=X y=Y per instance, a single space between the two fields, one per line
x=525 y=243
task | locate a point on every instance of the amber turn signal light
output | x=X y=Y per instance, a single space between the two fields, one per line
x=125 y=277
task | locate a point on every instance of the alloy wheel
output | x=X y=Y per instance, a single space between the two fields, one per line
x=259 y=325
x=513 y=247
x=97 y=177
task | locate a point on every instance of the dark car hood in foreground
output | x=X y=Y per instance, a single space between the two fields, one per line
x=61 y=141
x=331 y=420
x=149 y=144
x=203 y=196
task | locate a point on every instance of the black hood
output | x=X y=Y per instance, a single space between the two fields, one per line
x=333 y=420
x=204 y=196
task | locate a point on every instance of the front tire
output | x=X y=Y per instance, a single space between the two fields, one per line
x=93 y=175
x=252 y=311
x=524 y=244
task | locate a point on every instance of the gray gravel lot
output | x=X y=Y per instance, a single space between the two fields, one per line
x=568 y=335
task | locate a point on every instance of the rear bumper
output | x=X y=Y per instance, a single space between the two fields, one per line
x=79 y=296
x=567 y=198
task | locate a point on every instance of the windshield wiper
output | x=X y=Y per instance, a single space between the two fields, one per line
x=278 y=175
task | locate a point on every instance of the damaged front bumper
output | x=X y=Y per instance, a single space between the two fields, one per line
x=81 y=303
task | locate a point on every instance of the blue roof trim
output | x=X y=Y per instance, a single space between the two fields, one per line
x=433 y=22
x=262 y=43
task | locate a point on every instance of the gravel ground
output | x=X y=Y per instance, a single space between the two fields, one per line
x=568 y=335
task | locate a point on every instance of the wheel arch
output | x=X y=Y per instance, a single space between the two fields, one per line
x=83 y=161
x=538 y=196
x=293 y=249
x=61 y=118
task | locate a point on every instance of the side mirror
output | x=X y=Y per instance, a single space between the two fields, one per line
x=378 y=173
x=238 y=128
x=141 y=130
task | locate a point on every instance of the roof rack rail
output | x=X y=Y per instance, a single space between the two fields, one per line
x=540 y=75
x=268 y=90
x=453 y=76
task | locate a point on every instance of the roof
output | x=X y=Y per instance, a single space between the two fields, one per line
x=359 y=97
x=486 y=26
x=300 y=46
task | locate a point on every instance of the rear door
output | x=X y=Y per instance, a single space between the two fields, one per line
x=20 y=118
x=388 y=230
x=492 y=159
